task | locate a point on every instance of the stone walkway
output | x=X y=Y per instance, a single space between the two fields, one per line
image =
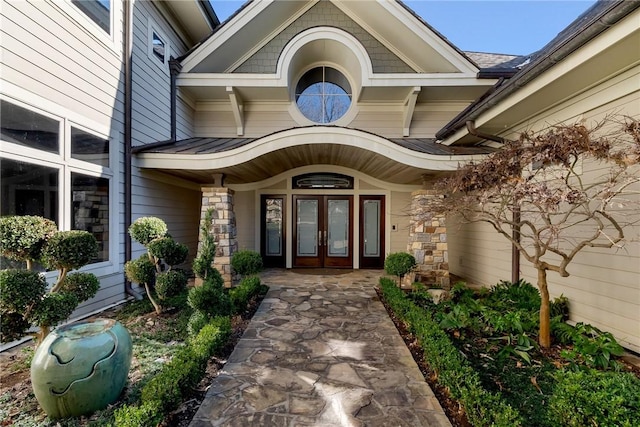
x=320 y=351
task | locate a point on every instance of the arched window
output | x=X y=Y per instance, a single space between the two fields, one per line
x=323 y=95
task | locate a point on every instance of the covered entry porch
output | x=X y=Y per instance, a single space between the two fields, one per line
x=319 y=196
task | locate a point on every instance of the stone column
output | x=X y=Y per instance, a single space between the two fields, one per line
x=223 y=227
x=428 y=242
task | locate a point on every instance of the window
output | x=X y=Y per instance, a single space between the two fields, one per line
x=38 y=178
x=323 y=95
x=99 y=11
x=158 y=45
x=323 y=180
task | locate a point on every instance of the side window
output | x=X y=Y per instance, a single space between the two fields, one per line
x=158 y=48
x=99 y=11
x=52 y=168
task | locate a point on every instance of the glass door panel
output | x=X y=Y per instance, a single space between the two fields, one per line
x=338 y=228
x=371 y=226
x=307 y=228
x=372 y=231
x=273 y=231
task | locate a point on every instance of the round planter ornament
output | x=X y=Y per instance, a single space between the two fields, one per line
x=81 y=368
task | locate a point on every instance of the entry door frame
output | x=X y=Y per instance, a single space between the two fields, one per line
x=365 y=261
x=323 y=258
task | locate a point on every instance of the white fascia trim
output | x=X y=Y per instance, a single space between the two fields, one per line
x=374 y=80
x=303 y=136
x=429 y=37
x=613 y=35
x=265 y=184
x=243 y=18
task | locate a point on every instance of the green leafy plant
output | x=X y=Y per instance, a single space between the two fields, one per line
x=208 y=301
x=162 y=251
x=246 y=262
x=25 y=299
x=596 y=398
x=592 y=347
x=246 y=289
x=399 y=264
x=203 y=264
x=170 y=283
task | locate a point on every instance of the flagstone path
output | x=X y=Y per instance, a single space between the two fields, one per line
x=320 y=351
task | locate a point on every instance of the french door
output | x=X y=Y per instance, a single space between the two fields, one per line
x=323 y=231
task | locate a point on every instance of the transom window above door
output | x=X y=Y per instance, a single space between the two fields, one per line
x=323 y=95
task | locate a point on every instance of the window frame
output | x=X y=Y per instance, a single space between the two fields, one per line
x=66 y=165
x=111 y=39
x=152 y=28
x=346 y=118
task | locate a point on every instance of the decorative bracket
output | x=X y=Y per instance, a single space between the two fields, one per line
x=408 y=107
x=237 y=107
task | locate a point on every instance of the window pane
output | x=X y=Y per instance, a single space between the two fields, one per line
x=90 y=197
x=89 y=148
x=158 y=47
x=338 y=215
x=27 y=189
x=323 y=95
x=28 y=128
x=307 y=228
x=98 y=10
x=371 y=228
x=274 y=220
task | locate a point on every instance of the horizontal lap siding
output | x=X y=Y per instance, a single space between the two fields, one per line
x=49 y=50
x=179 y=207
x=400 y=204
x=246 y=212
x=604 y=284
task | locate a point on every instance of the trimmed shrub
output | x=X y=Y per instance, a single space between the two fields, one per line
x=170 y=283
x=245 y=262
x=197 y=321
x=167 y=249
x=210 y=299
x=140 y=270
x=25 y=293
x=23 y=237
x=144 y=230
x=69 y=250
x=399 y=264
x=595 y=398
x=82 y=285
x=454 y=372
x=19 y=289
x=242 y=294
x=203 y=264
x=177 y=378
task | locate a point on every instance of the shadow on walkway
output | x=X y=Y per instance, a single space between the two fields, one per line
x=320 y=351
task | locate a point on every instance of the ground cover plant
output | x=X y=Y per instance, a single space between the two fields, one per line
x=483 y=346
x=165 y=359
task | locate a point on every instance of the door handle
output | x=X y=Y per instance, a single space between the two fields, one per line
x=319 y=237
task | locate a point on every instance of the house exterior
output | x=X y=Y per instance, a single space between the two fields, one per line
x=79 y=82
x=309 y=126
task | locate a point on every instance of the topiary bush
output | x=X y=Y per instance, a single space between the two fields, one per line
x=162 y=252
x=246 y=262
x=25 y=301
x=203 y=264
x=23 y=237
x=170 y=283
x=246 y=289
x=399 y=264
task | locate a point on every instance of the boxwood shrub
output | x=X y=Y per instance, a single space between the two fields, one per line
x=246 y=289
x=454 y=372
x=164 y=393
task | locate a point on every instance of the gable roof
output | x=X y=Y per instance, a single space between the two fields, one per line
x=597 y=19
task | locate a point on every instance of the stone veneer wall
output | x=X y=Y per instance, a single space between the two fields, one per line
x=223 y=227
x=428 y=243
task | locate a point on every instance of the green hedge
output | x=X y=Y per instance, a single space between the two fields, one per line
x=246 y=289
x=164 y=393
x=454 y=372
x=596 y=398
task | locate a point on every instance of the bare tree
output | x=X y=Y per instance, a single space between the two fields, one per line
x=574 y=187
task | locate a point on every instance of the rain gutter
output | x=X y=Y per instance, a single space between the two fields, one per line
x=612 y=13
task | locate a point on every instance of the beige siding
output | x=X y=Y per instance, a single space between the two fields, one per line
x=604 y=285
x=400 y=205
x=246 y=213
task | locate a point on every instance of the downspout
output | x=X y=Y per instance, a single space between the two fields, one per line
x=174 y=69
x=128 y=108
x=515 y=228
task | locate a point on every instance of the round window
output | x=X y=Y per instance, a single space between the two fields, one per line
x=323 y=95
